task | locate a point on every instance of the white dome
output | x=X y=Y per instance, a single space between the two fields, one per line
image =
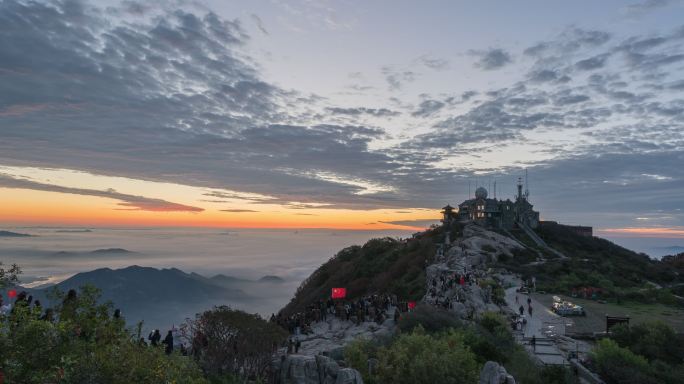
x=481 y=193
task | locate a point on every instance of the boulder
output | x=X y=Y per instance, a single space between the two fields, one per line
x=302 y=369
x=349 y=376
x=493 y=373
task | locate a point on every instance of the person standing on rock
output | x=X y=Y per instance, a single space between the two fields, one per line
x=533 y=343
x=297 y=345
x=522 y=310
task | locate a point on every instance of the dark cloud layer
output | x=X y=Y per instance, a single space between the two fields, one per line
x=377 y=112
x=166 y=94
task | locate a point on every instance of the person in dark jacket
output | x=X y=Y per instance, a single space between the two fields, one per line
x=154 y=338
x=168 y=341
x=69 y=305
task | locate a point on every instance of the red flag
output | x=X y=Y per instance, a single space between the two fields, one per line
x=411 y=304
x=12 y=293
x=339 y=293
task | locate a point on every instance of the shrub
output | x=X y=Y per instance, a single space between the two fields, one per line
x=430 y=318
x=653 y=340
x=421 y=358
x=618 y=365
x=358 y=353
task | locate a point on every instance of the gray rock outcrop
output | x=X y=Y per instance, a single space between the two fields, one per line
x=493 y=373
x=303 y=369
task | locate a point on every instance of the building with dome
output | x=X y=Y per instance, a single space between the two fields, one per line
x=504 y=214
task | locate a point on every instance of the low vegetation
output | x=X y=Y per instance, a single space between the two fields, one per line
x=433 y=347
x=647 y=353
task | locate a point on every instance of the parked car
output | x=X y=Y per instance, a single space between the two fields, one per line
x=569 y=309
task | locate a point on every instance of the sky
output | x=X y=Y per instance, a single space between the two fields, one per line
x=340 y=114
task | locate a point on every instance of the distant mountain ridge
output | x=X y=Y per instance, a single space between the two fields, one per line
x=112 y=250
x=96 y=252
x=160 y=297
x=14 y=234
x=271 y=279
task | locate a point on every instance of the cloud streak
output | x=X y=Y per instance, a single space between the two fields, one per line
x=128 y=202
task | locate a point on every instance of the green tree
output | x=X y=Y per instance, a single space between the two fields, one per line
x=229 y=341
x=9 y=276
x=87 y=346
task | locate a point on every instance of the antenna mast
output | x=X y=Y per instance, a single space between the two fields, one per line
x=527 y=191
x=494 y=189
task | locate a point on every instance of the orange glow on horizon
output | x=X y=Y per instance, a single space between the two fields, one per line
x=655 y=232
x=32 y=207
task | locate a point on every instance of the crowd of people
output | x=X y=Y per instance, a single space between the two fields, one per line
x=155 y=340
x=368 y=308
x=25 y=300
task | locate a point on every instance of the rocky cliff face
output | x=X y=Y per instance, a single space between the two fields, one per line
x=467 y=255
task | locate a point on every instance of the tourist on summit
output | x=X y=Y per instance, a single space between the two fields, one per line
x=533 y=343
x=49 y=315
x=69 y=305
x=522 y=310
x=168 y=341
x=154 y=338
x=298 y=344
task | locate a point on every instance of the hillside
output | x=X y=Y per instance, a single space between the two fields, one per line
x=398 y=266
x=383 y=265
x=590 y=262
